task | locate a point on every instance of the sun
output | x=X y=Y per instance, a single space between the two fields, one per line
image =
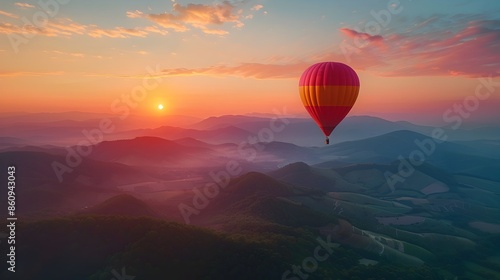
x=160 y=106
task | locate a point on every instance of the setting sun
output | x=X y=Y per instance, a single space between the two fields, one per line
x=160 y=106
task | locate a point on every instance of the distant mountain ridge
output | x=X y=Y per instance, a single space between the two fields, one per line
x=143 y=150
x=64 y=128
x=270 y=201
x=393 y=146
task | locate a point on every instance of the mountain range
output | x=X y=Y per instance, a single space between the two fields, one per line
x=67 y=128
x=392 y=200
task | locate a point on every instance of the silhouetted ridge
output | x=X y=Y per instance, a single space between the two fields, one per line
x=191 y=142
x=146 y=147
x=225 y=120
x=392 y=141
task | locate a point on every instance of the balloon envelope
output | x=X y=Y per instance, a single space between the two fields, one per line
x=328 y=91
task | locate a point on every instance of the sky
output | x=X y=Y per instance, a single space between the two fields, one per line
x=416 y=60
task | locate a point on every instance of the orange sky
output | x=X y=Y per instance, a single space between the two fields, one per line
x=236 y=58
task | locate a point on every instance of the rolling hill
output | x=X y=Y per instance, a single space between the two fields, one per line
x=40 y=192
x=159 y=151
x=439 y=219
x=398 y=145
x=228 y=134
x=102 y=247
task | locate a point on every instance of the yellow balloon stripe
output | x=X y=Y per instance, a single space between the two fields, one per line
x=328 y=95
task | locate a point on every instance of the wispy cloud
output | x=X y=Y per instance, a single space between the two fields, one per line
x=363 y=36
x=117 y=32
x=4 y=13
x=24 y=5
x=65 y=27
x=206 y=18
x=28 y=73
x=72 y=54
x=471 y=51
x=430 y=48
x=246 y=70
x=257 y=7
x=210 y=19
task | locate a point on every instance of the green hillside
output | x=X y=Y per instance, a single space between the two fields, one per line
x=93 y=248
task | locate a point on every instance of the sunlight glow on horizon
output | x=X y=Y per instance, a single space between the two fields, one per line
x=236 y=64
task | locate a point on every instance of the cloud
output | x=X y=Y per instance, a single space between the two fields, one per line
x=71 y=56
x=214 y=31
x=27 y=73
x=135 y=14
x=155 y=29
x=257 y=7
x=24 y=5
x=246 y=70
x=210 y=19
x=78 y=55
x=65 y=27
x=8 y=28
x=199 y=16
x=117 y=32
x=3 y=13
x=363 y=36
x=430 y=47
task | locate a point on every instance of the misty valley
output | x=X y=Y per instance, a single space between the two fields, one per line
x=252 y=197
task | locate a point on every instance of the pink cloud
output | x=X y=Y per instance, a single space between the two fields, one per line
x=363 y=36
x=469 y=51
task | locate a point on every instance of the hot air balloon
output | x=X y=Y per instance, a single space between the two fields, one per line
x=328 y=91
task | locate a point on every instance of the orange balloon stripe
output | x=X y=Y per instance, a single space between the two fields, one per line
x=328 y=95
